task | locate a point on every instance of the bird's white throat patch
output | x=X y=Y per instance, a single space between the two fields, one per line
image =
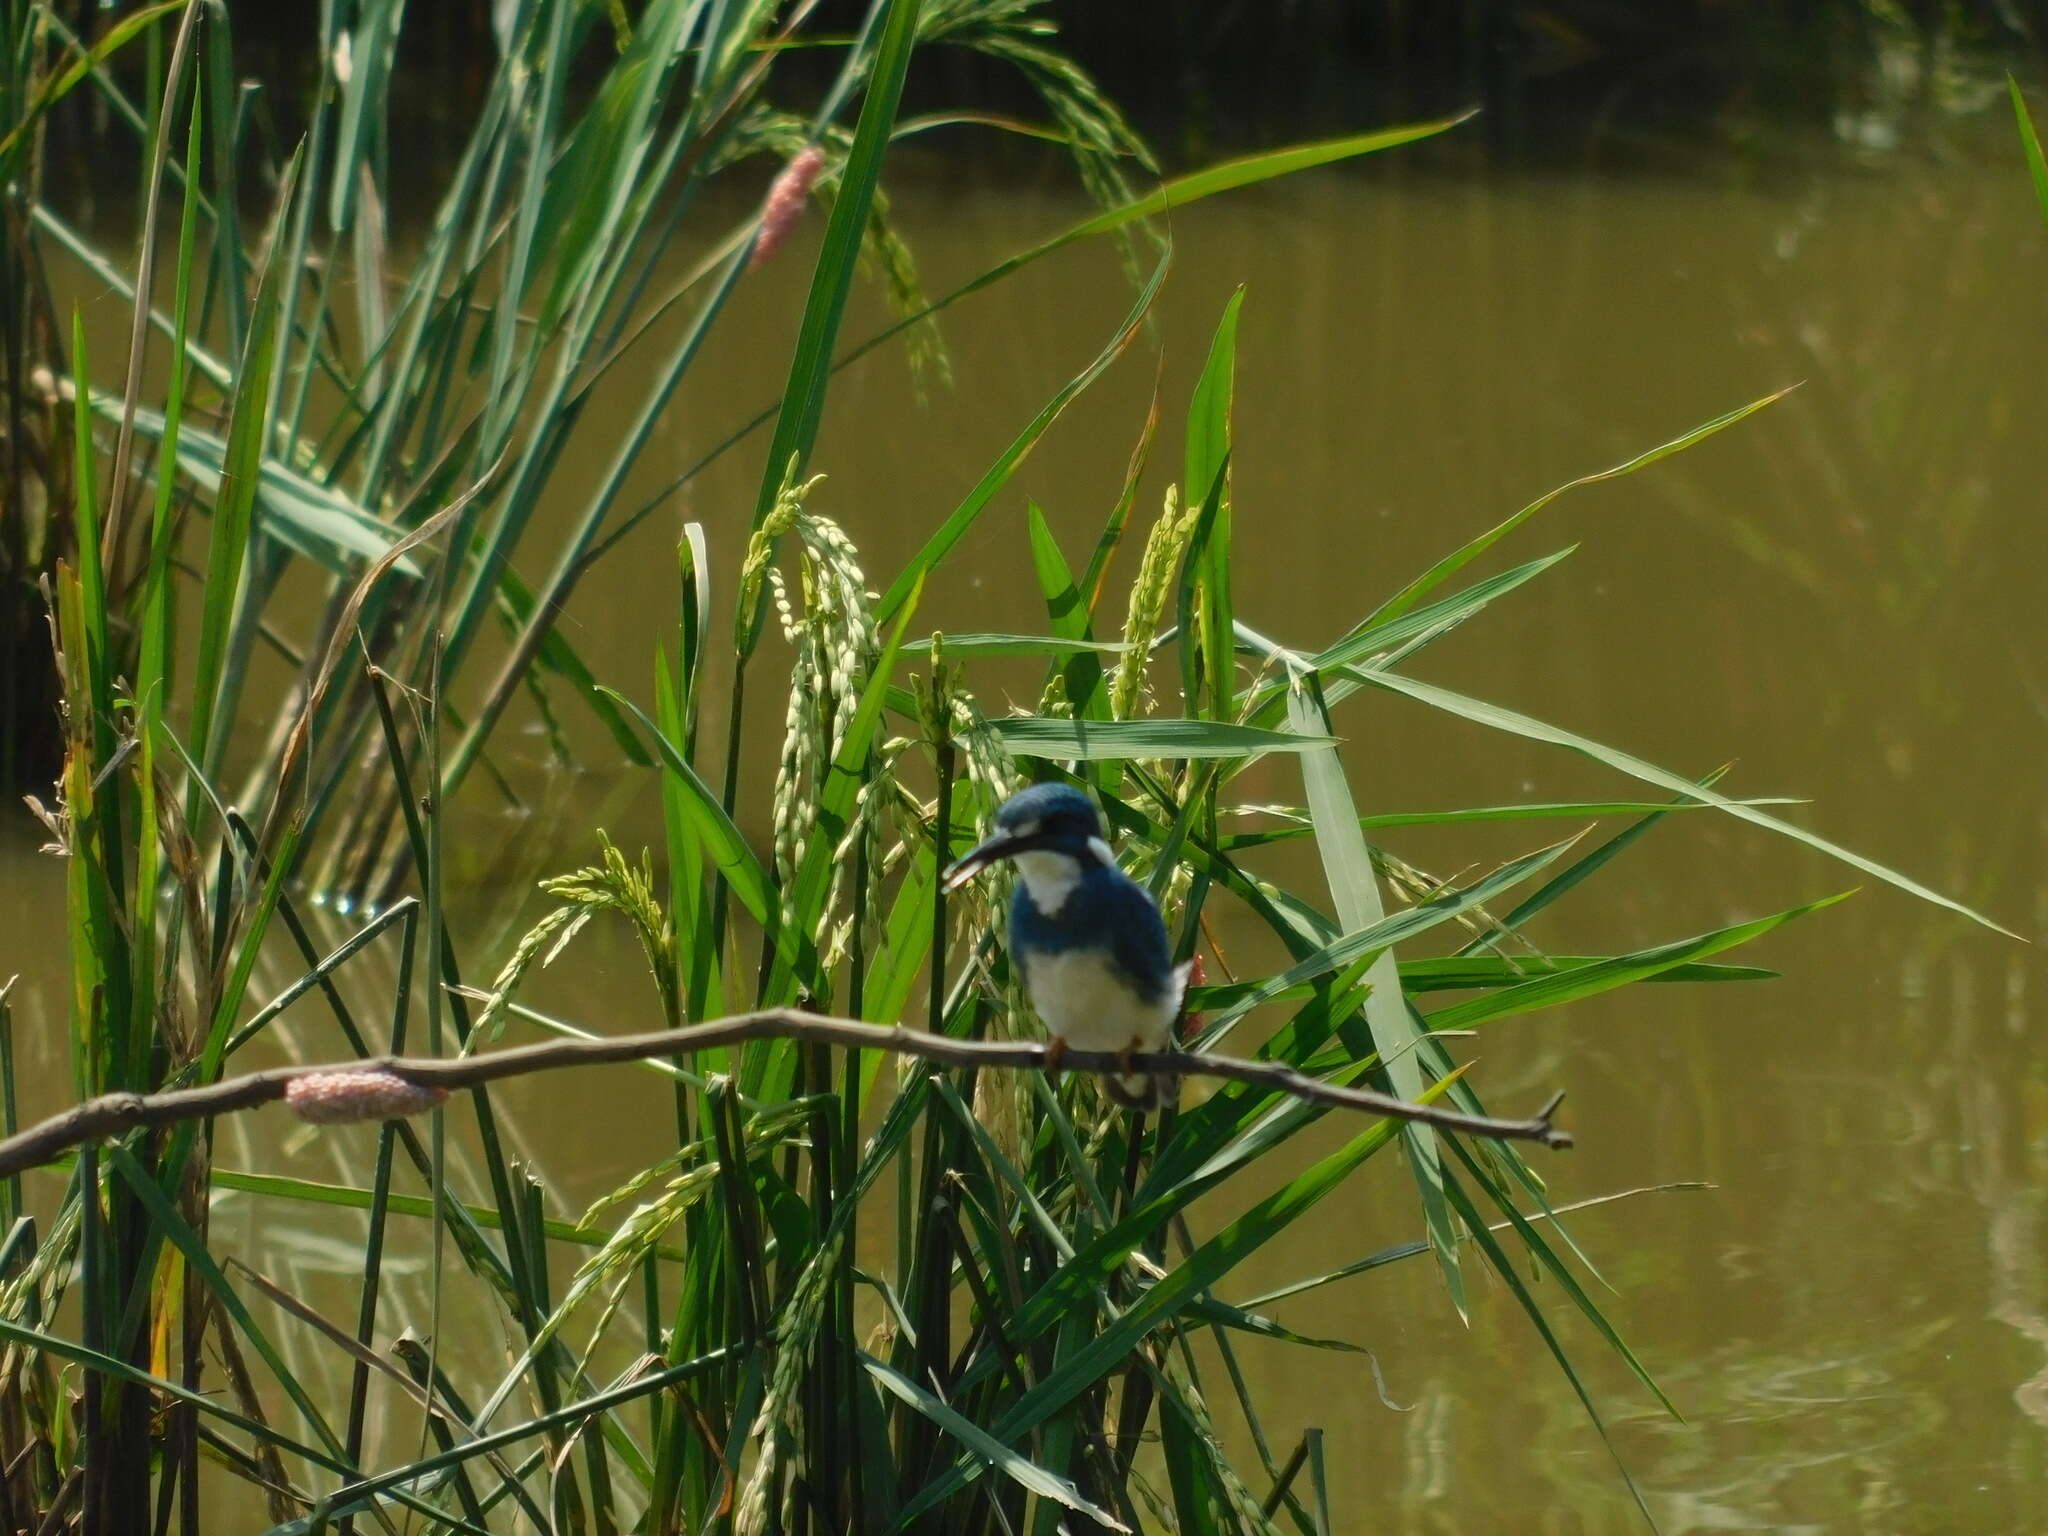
x=1049 y=878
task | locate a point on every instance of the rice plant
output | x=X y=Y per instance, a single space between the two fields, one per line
x=715 y=1346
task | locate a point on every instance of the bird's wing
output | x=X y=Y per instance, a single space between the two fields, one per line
x=1137 y=933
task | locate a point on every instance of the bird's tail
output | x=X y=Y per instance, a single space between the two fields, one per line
x=1141 y=1091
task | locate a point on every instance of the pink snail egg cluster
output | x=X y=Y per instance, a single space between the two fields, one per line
x=784 y=204
x=350 y=1096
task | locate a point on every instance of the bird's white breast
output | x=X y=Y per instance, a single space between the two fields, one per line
x=1087 y=1004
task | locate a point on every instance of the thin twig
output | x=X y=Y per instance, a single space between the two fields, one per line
x=113 y=1113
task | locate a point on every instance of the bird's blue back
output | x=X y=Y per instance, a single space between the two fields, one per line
x=1106 y=909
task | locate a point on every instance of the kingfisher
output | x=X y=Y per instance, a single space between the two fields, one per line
x=1086 y=936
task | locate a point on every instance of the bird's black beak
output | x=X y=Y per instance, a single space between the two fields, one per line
x=1004 y=845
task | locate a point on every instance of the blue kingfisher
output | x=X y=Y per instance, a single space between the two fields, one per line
x=1086 y=936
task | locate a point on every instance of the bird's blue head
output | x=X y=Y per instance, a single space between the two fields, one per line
x=1046 y=818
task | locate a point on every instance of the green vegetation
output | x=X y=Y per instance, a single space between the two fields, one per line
x=848 y=1300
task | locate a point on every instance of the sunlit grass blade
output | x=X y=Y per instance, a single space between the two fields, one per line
x=1502 y=719
x=1548 y=991
x=152 y=679
x=1021 y=645
x=1452 y=563
x=1178 y=192
x=1558 y=810
x=1452 y=973
x=1067 y=611
x=1026 y=1473
x=1355 y=892
x=1415 y=1250
x=963 y=517
x=1461 y=973
x=234 y=509
x=1441 y=616
x=1387 y=642
x=1249 y=170
x=803 y=397
x=1207 y=467
x=1586 y=866
x=1094 y=740
x=2037 y=166
x=727 y=845
x=272 y=1186
x=317 y=521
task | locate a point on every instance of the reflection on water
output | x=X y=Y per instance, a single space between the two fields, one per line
x=1843 y=592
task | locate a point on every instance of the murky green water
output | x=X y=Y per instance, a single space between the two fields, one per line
x=1842 y=595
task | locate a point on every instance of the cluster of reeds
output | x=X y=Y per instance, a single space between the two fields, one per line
x=713 y=1346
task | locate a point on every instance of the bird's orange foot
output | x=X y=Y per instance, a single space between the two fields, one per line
x=1127 y=1054
x=1055 y=1052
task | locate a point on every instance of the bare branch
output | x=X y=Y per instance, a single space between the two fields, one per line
x=113 y=1113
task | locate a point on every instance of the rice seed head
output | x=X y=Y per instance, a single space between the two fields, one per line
x=542 y=943
x=775 y=1428
x=1150 y=593
x=789 y=503
x=615 y=886
x=837 y=646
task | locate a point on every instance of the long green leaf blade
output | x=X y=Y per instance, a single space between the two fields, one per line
x=1499 y=718
x=1354 y=887
x=803 y=398
x=1094 y=740
x=2037 y=166
x=1413 y=593
x=1019 y=1469
x=1548 y=991
x=963 y=517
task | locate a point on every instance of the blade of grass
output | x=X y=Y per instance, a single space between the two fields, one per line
x=963 y=517
x=1208 y=464
x=1549 y=991
x=1354 y=888
x=1067 y=611
x=1499 y=718
x=803 y=397
x=1094 y=740
x=1506 y=1268
x=1563 y=810
x=2037 y=166
x=1452 y=972
x=1024 y=1472
x=1584 y=868
x=1250 y=170
x=1417 y=589
x=179 y=1232
x=233 y=512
